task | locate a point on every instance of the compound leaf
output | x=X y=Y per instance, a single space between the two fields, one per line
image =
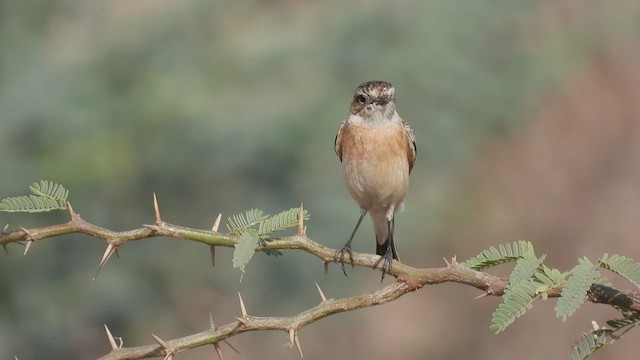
x=504 y=253
x=623 y=266
x=572 y=297
x=244 y=250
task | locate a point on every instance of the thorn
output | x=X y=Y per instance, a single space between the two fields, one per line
x=301 y=230
x=27 y=247
x=484 y=294
x=112 y=341
x=242 y=321
x=4 y=246
x=326 y=268
x=29 y=237
x=74 y=215
x=216 y=223
x=324 y=298
x=218 y=351
x=5 y=228
x=163 y=344
x=105 y=257
x=297 y=339
x=217 y=346
x=242 y=308
x=212 y=326
x=231 y=346
x=212 y=251
x=152 y=227
x=446 y=262
x=156 y=210
x=595 y=325
x=292 y=335
x=107 y=254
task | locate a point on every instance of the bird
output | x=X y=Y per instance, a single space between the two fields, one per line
x=377 y=149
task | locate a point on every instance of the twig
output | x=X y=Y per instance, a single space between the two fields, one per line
x=408 y=279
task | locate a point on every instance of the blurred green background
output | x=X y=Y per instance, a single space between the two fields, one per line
x=528 y=127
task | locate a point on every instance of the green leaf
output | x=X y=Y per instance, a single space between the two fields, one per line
x=525 y=268
x=548 y=279
x=244 y=249
x=50 y=190
x=47 y=196
x=598 y=338
x=589 y=343
x=632 y=319
x=273 y=252
x=504 y=253
x=240 y=223
x=281 y=221
x=623 y=266
x=517 y=299
x=254 y=224
x=572 y=297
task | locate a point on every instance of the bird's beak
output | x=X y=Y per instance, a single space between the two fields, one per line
x=383 y=101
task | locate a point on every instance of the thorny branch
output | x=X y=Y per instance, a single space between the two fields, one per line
x=408 y=279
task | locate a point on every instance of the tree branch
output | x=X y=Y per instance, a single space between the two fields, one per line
x=247 y=323
x=408 y=279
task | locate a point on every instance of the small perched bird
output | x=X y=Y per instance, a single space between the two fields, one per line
x=378 y=150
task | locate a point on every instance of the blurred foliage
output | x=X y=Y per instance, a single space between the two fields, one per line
x=45 y=196
x=530 y=279
x=221 y=106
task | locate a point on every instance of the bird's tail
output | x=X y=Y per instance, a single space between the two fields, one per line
x=381 y=249
x=384 y=239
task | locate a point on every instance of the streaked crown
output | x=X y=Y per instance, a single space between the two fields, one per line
x=379 y=93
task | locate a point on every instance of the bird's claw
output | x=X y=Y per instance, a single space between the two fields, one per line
x=386 y=263
x=340 y=257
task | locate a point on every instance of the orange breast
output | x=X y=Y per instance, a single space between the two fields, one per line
x=375 y=163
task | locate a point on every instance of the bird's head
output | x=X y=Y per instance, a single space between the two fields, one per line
x=374 y=100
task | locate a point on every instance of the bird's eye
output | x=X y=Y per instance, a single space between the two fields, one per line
x=361 y=99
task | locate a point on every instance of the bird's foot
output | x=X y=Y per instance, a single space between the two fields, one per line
x=340 y=256
x=386 y=262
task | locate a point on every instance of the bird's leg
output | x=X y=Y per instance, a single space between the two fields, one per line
x=347 y=247
x=388 y=254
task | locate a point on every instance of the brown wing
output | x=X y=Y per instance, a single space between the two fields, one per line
x=337 y=144
x=412 y=149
